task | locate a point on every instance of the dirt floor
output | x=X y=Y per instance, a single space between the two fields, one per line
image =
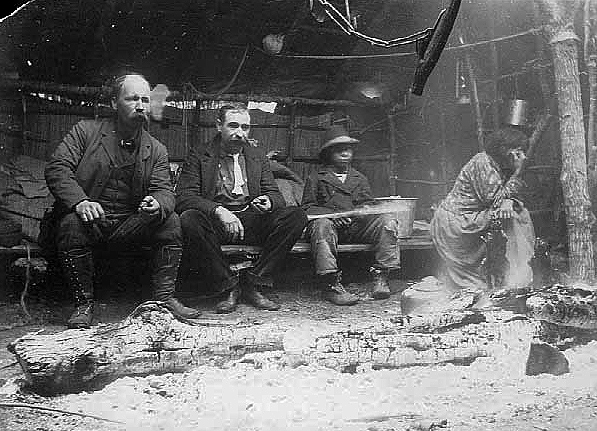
x=266 y=394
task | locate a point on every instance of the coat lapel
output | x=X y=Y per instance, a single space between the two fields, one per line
x=209 y=166
x=142 y=172
x=145 y=146
x=109 y=143
x=253 y=168
x=328 y=176
x=352 y=181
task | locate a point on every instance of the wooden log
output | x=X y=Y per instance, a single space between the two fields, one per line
x=152 y=341
x=394 y=347
x=565 y=306
x=149 y=341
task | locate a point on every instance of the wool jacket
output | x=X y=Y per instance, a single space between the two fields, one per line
x=325 y=193
x=80 y=167
x=196 y=186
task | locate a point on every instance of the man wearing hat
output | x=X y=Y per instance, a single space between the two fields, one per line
x=337 y=187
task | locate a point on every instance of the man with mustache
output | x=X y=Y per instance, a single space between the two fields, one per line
x=111 y=181
x=227 y=194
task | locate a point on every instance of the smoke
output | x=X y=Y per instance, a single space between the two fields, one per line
x=159 y=94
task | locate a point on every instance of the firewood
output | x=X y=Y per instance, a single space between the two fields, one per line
x=152 y=341
x=566 y=306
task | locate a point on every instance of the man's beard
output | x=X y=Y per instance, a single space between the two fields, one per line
x=142 y=119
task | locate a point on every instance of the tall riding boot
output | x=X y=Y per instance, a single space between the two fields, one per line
x=381 y=287
x=77 y=265
x=165 y=269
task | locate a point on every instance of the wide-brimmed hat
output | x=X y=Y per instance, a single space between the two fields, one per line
x=336 y=134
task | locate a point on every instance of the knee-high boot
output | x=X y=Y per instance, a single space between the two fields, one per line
x=77 y=265
x=163 y=281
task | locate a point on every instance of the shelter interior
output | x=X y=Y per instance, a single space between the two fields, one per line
x=58 y=55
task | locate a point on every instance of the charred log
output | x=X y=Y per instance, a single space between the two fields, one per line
x=152 y=341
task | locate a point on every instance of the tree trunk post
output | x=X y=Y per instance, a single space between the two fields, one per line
x=564 y=47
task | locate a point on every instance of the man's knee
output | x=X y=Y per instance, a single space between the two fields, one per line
x=71 y=233
x=194 y=221
x=321 y=228
x=387 y=221
x=169 y=232
x=294 y=217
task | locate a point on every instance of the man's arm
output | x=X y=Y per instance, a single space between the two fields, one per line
x=268 y=185
x=160 y=186
x=309 y=202
x=364 y=194
x=189 y=190
x=61 y=170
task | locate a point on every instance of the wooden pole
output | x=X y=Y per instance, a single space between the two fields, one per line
x=564 y=47
x=93 y=92
x=592 y=73
x=495 y=73
x=443 y=152
x=291 y=134
x=475 y=101
x=393 y=149
x=592 y=149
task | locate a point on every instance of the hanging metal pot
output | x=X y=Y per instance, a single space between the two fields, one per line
x=517 y=112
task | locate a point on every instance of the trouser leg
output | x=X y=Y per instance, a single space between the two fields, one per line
x=166 y=254
x=282 y=228
x=202 y=242
x=323 y=237
x=381 y=232
x=74 y=254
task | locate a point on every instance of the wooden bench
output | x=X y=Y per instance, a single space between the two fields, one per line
x=248 y=254
x=419 y=242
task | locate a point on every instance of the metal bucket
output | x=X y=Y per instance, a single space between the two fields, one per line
x=517 y=112
x=404 y=210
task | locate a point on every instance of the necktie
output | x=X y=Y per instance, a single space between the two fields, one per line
x=239 y=181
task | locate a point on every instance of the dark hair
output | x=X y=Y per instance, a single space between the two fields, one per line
x=118 y=82
x=232 y=106
x=500 y=141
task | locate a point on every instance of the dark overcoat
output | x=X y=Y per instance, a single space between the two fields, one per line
x=325 y=193
x=196 y=186
x=80 y=167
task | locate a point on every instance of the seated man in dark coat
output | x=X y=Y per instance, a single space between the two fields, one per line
x=226 y=194
x=111 y=181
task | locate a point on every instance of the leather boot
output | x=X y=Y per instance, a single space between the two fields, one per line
x=335 y=292
x=258 y=299
x=229 y=304
x=163 y=281
x=252 y=291
x=381 y=287
x=77 y=265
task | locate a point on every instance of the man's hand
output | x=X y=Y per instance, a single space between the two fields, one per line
x=232 y=225
x=89 y=211
x=262 y=203
x=149 y=205
x=506 y=209
x=342 y=223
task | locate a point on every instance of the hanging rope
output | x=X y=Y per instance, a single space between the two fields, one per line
x=344 y=23
x=233 y=80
